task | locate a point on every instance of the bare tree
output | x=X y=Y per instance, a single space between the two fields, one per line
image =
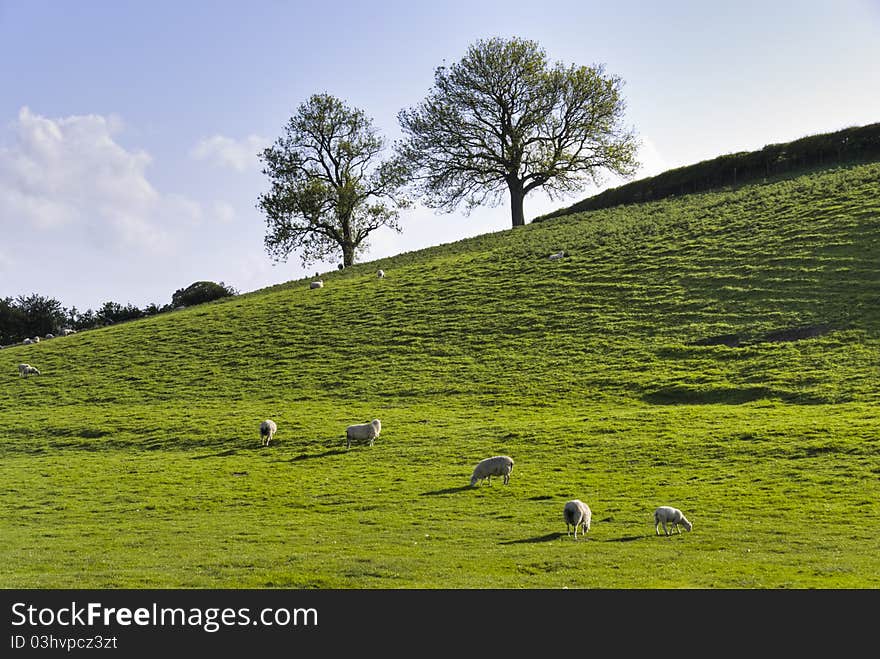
x=502 y=118
x=329 y=187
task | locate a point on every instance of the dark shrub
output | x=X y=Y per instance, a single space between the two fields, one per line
x=199 y=292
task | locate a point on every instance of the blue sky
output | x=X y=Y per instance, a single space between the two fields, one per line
x=129 y=130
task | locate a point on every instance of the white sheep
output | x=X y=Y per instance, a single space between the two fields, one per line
x=27 y=369
x=380 y=274
x=67 y=331
x=366 y=432
x=674 y=516
x=50 y=336
x=498 y=465
x=576 y=513
x=317 y=284
x=268 y=428
x=558 y=255
x=26 y=342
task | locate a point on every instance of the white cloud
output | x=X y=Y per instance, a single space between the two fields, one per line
x=652 y=162
x=239 y=155
x=73 y=199
x=223 y=212
x=70 y=174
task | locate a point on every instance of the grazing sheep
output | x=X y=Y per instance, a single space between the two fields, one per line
x=366 y=432
x=499 y=465
x=268 y=428
x=67 y=331
x=576 y=513
x=674 y=516
x=558 y=255
x=50 y=336
x=317 y=284
x=27 y=369
x=26 y=342
x=380 y=274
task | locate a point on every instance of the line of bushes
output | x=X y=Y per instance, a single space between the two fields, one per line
x=35 y=315
x=847 y=146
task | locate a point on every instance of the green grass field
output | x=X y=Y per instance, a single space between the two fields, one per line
x=717 y=352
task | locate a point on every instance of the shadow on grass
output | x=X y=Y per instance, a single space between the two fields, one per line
x=324 y=454
x=683 y=395
x=448 y=490
x=543 y=538
x=556 y=536
x=221 y=454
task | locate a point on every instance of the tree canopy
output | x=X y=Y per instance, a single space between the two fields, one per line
x=504 y=118
x=330 y=188
x=199 y=292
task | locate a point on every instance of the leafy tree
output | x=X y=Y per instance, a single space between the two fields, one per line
x=85 y=320
x=13 y=322
x=504 y=118
x=113 y=312
x=330 y=189
x=200 y=292
x=43 y=315
x=152 y=309
x=31 y=315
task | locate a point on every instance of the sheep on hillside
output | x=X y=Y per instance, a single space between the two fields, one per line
x=380 y=274
x=576 y=513
x=27 y=369
x=364 y=432
x=268 y=428
x=26 y=342
x=498 y=465
x=674 y=516
x=557 y=255
x=317 y=284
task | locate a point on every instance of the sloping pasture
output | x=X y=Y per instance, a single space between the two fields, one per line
x=717 y=352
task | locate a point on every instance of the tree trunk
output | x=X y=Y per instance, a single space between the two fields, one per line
x=348 y=255
x=516 y=203
x=347 y=243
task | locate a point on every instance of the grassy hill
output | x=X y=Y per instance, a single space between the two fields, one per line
x=850 y=146
x=717 y=352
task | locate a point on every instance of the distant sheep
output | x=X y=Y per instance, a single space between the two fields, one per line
x=27 y=342
x=380 y=274
x=67 y=331
x=577 y=514
x=268 y=428
x=50 y=336
x=363 y=432
x=26 y=370
x=317 y=284
x=674 y=516
x=499 y=465
x=556 y=256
